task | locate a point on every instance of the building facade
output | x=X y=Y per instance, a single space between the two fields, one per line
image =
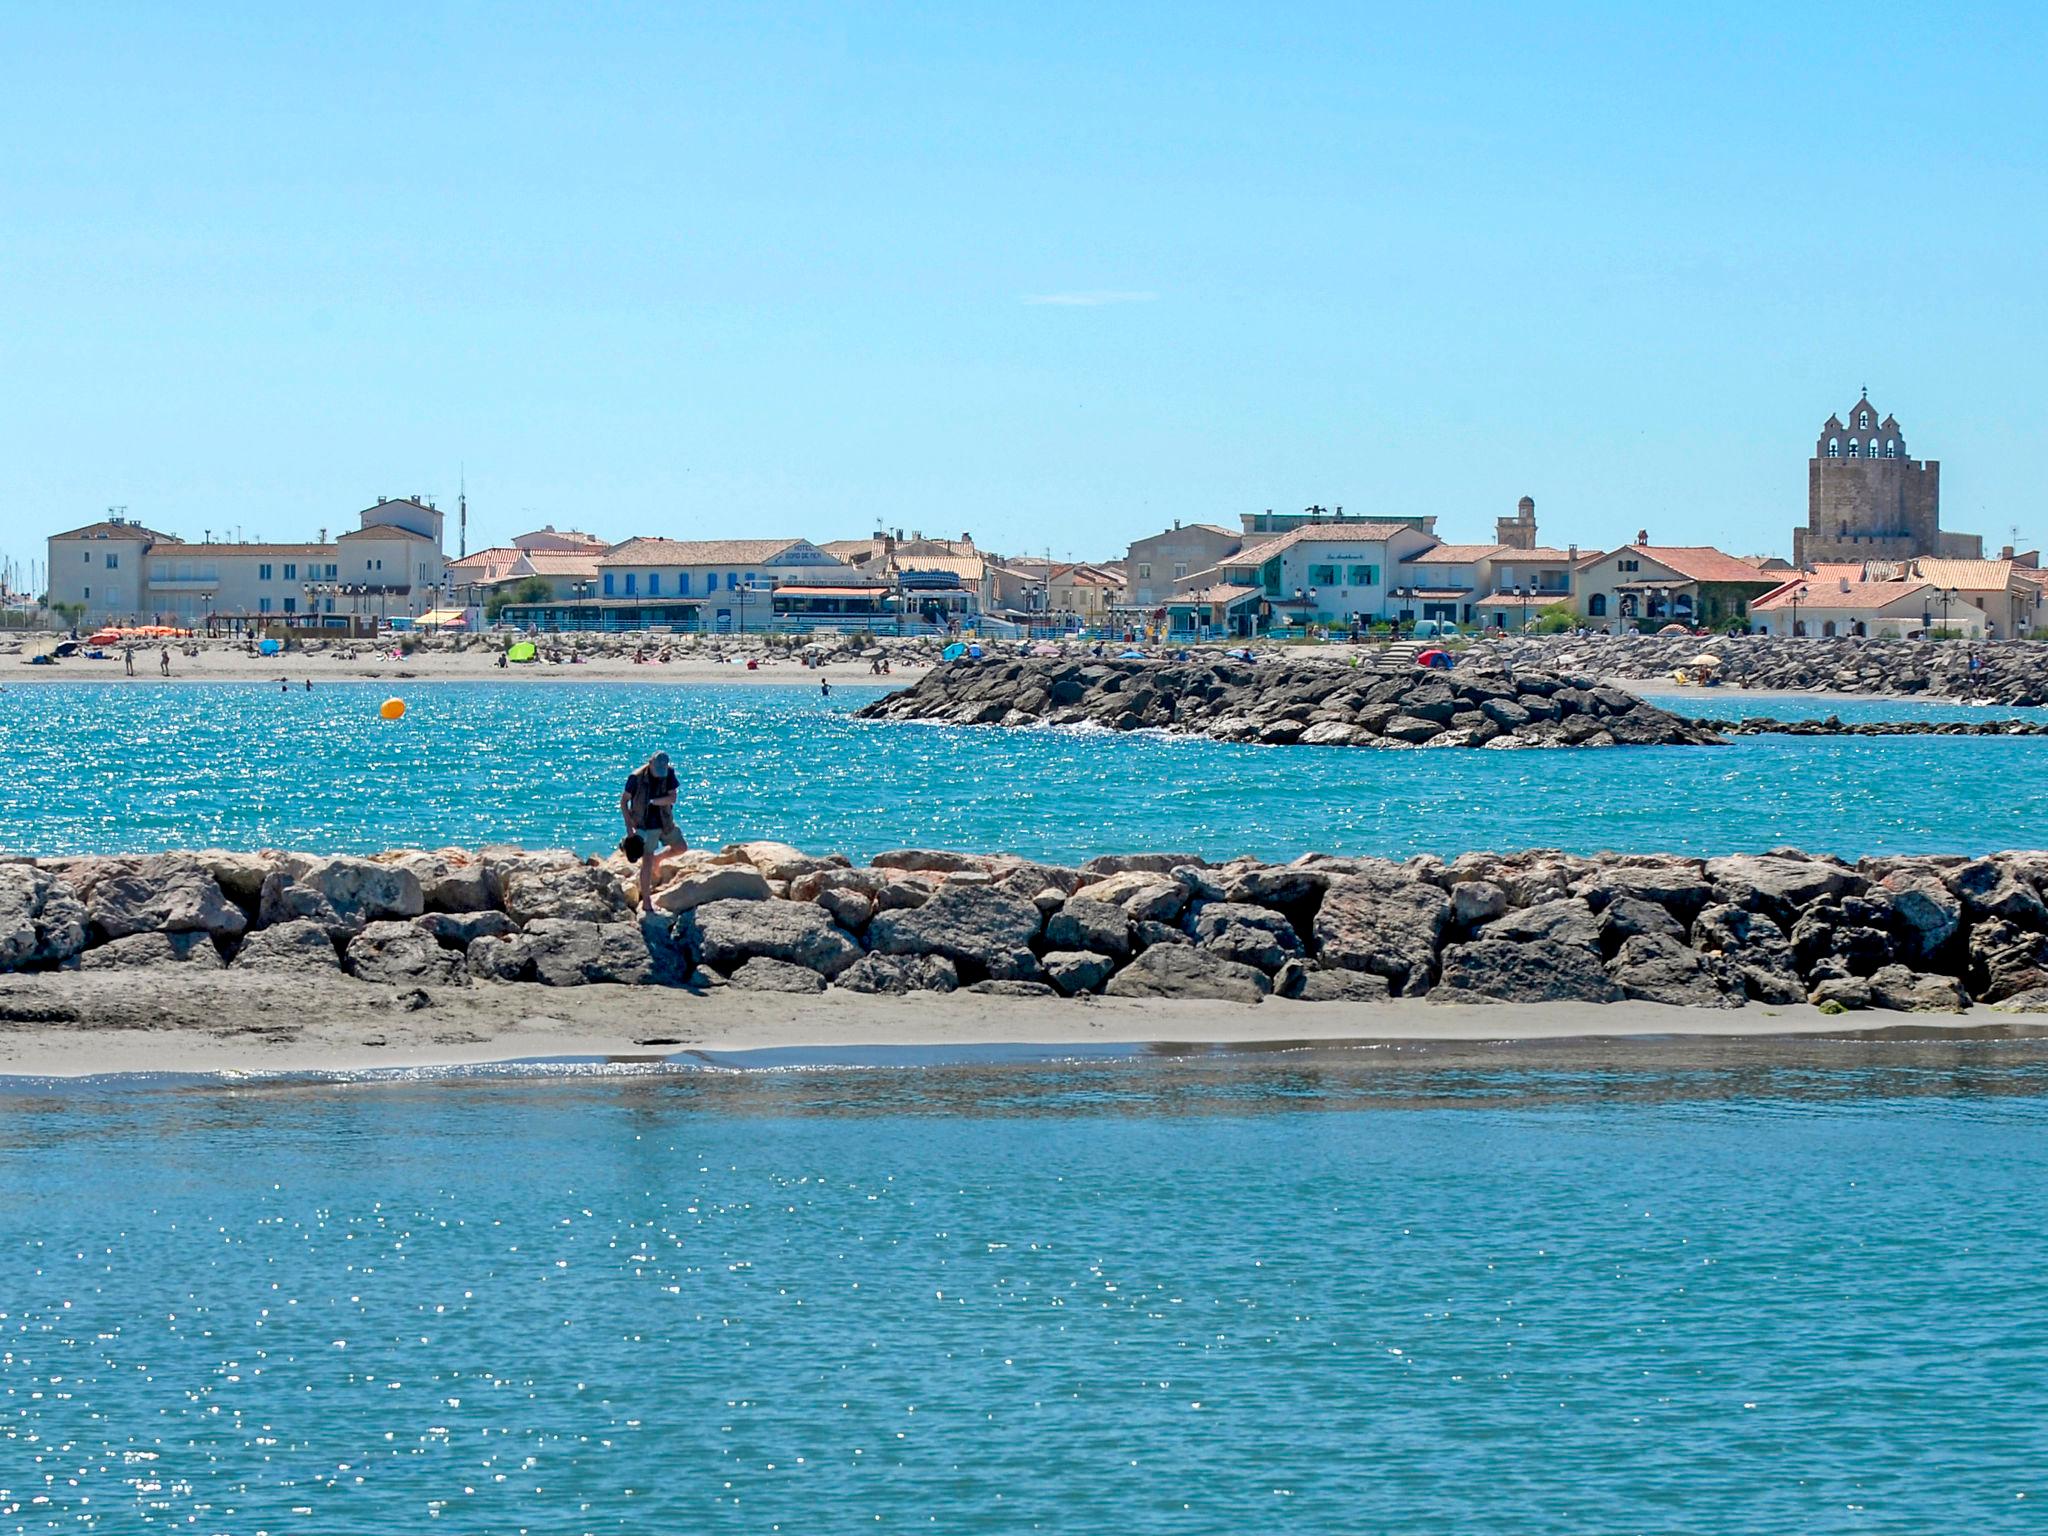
x=1158 y=566
x=1868 y=499
x=121 y=572
x=1645 y=586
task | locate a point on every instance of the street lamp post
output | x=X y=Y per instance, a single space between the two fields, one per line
x=1522 y=592
x=1947 y=594
x=1797 y=593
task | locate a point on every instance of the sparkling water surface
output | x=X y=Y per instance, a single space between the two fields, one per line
x=1760 y=1289
x=111 y=767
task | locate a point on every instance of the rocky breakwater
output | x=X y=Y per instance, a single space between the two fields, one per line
x=1912 y=934
x=1284 y=703
x=1834 y=725
x=2011 y=672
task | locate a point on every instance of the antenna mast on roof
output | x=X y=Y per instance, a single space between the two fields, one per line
x=462 y=513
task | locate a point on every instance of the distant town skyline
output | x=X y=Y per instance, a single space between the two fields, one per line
x=1056 y=277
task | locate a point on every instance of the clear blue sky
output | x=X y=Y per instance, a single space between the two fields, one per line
x=1055 y=274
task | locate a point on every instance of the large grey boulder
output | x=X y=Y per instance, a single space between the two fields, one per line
x=300 y=945
x=141 y=950
x=1341 y=986
x=1778 y=885
x=1657 y=968
x=1186 y=972
x=764 y=973
x=725 y=934
x=1143 y=895
x=401 y=954
x=1755 y=946
x=1078 y=970
x=1989 y=889
x=1928 y=913
x=1085 y=923
x=897 y=974
x=1625 y=917
x=561 y=889
x=979 y=927
x=1566 y=920
x=717 y=882
x=1394 y=931
x=459 y=930
x=1477 y=901
x=1276 y=885
x=2006 y=960
x=1491 y=970
x=497 y=957
x=1896 y=987
x=1678 y=884
x=41 y=921
x=359 y=890
x=284 y=900
x=165 y=893
x=239 y=875
x=1243 y=932
x=994 y=988
x=1143 y=863
x=568 y=953
x=451 y=879
x=851 y=910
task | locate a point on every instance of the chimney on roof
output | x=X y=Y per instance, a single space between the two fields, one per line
x=2005 y=553
x=323 y=535
x=1642 y=535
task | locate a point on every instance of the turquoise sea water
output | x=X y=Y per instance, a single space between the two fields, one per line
x=97 y=767
x=1760 y=1288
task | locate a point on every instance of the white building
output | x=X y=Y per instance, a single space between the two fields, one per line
x=121 y=572
x=1323 y=573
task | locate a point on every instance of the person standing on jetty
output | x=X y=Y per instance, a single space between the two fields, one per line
x=648 y=805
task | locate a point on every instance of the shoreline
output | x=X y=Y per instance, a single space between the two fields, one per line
x=78 y=1026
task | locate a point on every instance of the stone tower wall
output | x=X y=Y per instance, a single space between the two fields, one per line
x=1869 y=509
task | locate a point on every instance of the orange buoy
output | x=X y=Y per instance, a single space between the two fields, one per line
x=392 y=709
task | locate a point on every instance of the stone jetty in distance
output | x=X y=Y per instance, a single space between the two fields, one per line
x=1309 y=703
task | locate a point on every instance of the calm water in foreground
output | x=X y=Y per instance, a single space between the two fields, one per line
x=1767 y=1288
x=99 y=767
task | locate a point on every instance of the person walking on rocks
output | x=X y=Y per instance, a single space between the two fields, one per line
x=648 y=806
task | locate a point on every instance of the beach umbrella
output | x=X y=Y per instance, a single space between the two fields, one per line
x=1674 y=629
x=1705 y=659
x=522 y=650
x=269 y=647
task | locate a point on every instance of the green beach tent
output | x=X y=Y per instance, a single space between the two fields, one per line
x=521 y=651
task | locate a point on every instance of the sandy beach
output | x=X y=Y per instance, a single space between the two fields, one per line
x=73 y=1025
x=235 y=665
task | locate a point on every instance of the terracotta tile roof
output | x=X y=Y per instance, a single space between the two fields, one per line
x=1224 y=592
x=1317 y=533
x=1454 y=554
x=486 y=559
x=1543 y=555
x=1968 y=575
x=1839 y=591
x=107 y=529
x=385 y=531
x=561 y=562
x=1702 y=562
x=968 y=568
x=650 y=551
